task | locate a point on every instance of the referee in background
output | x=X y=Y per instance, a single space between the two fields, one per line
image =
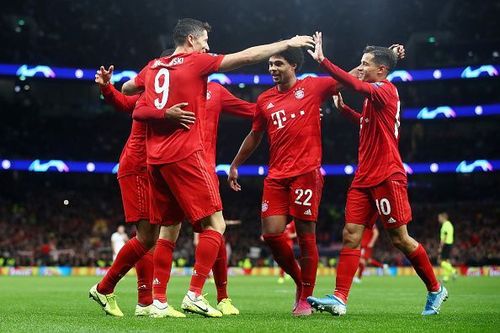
x=445 y=246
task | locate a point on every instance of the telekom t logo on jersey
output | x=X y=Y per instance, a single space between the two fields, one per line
x=278 y=118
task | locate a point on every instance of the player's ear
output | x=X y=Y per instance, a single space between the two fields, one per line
x=190 y=39
x=383 y=70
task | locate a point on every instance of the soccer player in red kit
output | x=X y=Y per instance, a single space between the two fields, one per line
x=380 y=182
x=370 y=235
x=290 y=114
x=133 y=181
x=181 y=184
x=219 y=100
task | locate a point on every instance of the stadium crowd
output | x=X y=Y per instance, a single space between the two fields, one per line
x=39 y=228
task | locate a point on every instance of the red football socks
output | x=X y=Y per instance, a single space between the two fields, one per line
x=162 y=266
x=205 y=255
x=308 y=263
x=283 y=254
x=346 y=269
x=220 y=272
x=128 y=256
x=422 y=265
x=144 y=270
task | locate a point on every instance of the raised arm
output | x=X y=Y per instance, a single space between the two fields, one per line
x=248 y=146
x=346 y=79
x=345 y=109
x=111 y=95
x=260 y=53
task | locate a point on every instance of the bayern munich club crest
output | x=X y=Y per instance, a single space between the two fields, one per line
x=299 y=93
x=265 y=205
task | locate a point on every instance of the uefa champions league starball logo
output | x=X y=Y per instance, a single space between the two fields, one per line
x=299 y=93
x=265 y=205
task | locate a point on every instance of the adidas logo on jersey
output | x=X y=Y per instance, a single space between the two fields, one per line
x=270 y=105
x=156 y=281
x=308 y=212
x=391 y=220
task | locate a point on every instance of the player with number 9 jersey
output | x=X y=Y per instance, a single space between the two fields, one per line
x=168 y=81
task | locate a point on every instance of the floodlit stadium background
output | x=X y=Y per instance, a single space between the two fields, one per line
x=59 y=141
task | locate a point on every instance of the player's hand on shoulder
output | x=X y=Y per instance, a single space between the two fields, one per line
x=399 y=50
x=177 y=114
x=232 y=179
x=103 y=75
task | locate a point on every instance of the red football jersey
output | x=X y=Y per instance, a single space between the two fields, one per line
x=378 y=153
x=292 y=120
x=133 y=157
x=168 y=81
x=219 y=99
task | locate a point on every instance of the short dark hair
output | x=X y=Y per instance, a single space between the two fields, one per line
x=186 y=27
x=382 y=56
x=294 y=56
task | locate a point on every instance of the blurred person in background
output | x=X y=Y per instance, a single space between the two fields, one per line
x=447 y=238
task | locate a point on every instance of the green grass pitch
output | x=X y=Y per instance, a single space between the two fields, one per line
x=379 y=304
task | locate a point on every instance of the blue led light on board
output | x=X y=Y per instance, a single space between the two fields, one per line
x=53 y=72
x=62 y=166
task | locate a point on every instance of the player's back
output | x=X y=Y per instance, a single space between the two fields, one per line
x=169 y=81
x=378 y=154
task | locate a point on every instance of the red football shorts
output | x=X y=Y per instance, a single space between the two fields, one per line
x=297 y=196
x=389 y=200
x=183 y=189
x=135 y=197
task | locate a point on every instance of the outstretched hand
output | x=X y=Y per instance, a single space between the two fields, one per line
x=103 y=75
x=317 y=54
x=301 y=41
